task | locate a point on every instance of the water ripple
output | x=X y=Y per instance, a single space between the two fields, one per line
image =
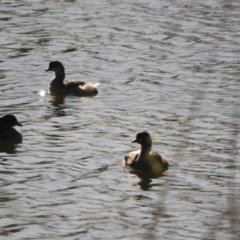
x=168 y=67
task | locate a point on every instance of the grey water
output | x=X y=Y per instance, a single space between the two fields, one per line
x=168 y=67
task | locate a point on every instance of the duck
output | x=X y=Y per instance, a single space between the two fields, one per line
x=145 y=159
x=59 y=85
x=7 y=131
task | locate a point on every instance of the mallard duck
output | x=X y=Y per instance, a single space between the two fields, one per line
x=59 y=85
x=145 y=159
x=7 y=131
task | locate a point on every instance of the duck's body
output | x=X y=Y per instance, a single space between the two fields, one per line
x=145 y=159
x=7 y=131
x=59 y=85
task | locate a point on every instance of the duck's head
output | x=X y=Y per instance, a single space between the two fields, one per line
x=55 y=66
x=143 y=138
x=9 y=120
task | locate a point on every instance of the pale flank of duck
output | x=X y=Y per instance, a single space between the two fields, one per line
x=59 y=85
x=7 y=131
x=90 y=87
x=145 y=159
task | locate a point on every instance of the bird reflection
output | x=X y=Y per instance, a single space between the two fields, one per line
x=57 y=102
x=145 y=178
x=57 y=99
x=8 y=148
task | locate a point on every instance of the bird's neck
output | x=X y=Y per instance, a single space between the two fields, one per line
x=59 y=76
x=145 y=150
x=58 y=79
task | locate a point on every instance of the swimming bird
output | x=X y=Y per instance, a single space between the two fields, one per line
x=7 y=131
x=145 y=159
x=59 y=85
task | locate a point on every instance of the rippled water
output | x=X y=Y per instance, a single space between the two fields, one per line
x=169 y=67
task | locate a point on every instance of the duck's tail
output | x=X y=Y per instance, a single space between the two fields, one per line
x=90 y=88
x=96 y=84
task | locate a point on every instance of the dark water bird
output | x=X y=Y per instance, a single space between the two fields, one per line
x=59 y=85
x=145 y=159
x=7 y=131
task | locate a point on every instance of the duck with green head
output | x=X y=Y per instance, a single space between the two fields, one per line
x=145 y=159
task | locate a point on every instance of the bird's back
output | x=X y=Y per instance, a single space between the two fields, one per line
x=153 y=161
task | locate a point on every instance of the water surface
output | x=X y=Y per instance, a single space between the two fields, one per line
x=168 y=67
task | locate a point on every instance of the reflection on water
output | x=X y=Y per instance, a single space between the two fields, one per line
x=6 y=196
x=145 y=183
x=8 y=148
x=57 y=102
x=145 y=177
x=170 y=68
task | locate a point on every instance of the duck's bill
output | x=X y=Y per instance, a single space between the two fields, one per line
x=18 y=124
x=134 y=140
